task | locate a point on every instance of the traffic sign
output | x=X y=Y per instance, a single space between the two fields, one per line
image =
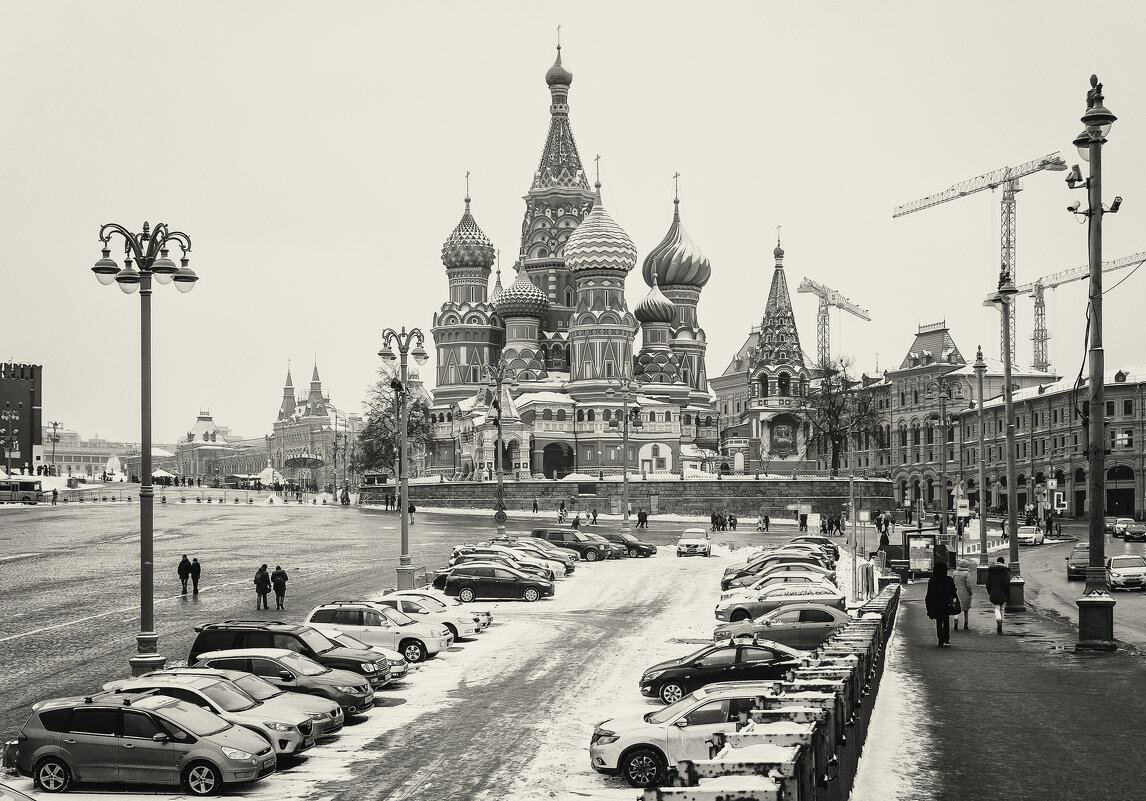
x=962 y=508
x=1052 y=483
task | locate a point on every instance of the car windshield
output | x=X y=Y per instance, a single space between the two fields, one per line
x=301 y=664
x=672 y=710
x=227 y=697
x=401 y=618
x=627 y=537
x=319 y=643
x=347 y=641
x=195 y=719
x=433 y=604
x=1127 y=561
x=257 y=688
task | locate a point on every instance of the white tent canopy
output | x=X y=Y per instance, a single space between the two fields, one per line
x=161 y=473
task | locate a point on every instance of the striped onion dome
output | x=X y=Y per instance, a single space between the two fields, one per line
x=599 y=243
x=467 y=246
x=522 y=298
x=676 y=261
x=655 y=308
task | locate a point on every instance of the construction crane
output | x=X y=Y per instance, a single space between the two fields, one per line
x=1036 y=288
x=828 y=298
x=1008 y=178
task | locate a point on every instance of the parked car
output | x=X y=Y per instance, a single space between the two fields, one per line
x=781 y=569
x=612 y=550
x=756 y=567
x=1120 y=525
x=1134 y=532
x=458 y=623
x=694 y=542
x=1077 y=562
x=774 y=580
x=522 y=560
x=633 y=546
x=326 y=717
x=802 y=626
x=475 y=580
x=571 y=540
x=137 y=739
x=1126 y=572
x=381 y=625
x=673 y=679
x=304 y=640
x=1108 y=524
x=399 y=666
x=532 y=545
x=483 y=616
x=287 y=731
x=1030 y=535
x=293 y=671
x=823 y=542
x=479 y=555
x=640 y=746
x=753 y=605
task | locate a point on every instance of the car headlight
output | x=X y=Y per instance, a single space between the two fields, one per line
x=235 y=753
x=368 y=667
x=319 y=716
x=275 y=726
x=605 y=739
x=396 y=662
x=437 y=632
x=650 y=676
x=1115 y=574
x=345 y=689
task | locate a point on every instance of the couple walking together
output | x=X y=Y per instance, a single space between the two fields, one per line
x=950 y=595
x=265 y=581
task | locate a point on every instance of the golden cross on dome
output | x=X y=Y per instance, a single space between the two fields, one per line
x=777 y=236
x=597 y=159
x=467 y=184
x=558 y=37
x=676 y=186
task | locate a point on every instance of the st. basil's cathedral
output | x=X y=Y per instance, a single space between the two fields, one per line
x=564 y=331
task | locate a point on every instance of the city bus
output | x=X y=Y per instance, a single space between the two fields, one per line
x=21 y=489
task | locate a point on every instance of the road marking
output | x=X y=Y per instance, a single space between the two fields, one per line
x=104 y=614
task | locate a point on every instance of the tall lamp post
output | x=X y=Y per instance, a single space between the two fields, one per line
x=943 y=392
x=403 y=340
x=9 y=434
x=1095 y=607
x=55 y=424
x=626 y=385
x=980 y=367
x=1002 y=299
x=496 y=376
x=148 y=249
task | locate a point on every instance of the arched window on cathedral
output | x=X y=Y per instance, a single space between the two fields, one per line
x=568 y=296
x=656 y=451
x=668 y=417
x=580 y=415
x=560 y=415
x=708 y=421
x=915 y=396
x=784 y=384
x=607 y=415
x=449 y=417
x=686 y=419
x=590 y=415
x=547 y=414
x=652 y=417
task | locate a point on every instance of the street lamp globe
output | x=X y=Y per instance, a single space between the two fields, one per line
x=127 y=278
x=164 y=268
x=420 y=355
x=106 y=269
x=185 y=277
x=387 y=353
x=1082 y=145
x=1099 y=116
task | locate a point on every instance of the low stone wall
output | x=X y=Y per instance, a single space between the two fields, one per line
x=745 y=498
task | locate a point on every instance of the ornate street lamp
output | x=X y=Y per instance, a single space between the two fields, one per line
x=495 y=376
x=627 y=386
x=1095 y=607
x=403 y=340
x=9 y=434
x=980 y=367
x=55 y=424
x=149 y=251
x=1002 y=299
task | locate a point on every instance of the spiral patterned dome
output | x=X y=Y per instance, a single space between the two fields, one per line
x=467 y=246
x=599 y=243
x=655 y=308
x=676 y=261
x=522 y=298
x=557 y=74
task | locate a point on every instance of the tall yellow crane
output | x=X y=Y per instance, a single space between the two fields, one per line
x=1008 y=179
x=1036 y=288
x=828 y=298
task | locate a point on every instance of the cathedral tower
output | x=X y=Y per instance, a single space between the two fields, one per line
x=286 y=409
x=522 y=306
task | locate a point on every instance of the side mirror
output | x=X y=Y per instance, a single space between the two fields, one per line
x=286 y=675
x=160 y=737
x=682 y=723
x=698 y=663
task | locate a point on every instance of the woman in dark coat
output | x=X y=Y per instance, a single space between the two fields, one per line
x=999 y=590
x=940 y=591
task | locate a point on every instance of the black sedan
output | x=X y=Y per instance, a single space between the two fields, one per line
x=633 y=547
x=670 y=681
x=488 y=580
x=1077 y=562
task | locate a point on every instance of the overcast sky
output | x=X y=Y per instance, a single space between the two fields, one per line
x=316 y=154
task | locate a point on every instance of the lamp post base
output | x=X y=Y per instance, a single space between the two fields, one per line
x=405 y=577
x=1017 y=601
x=148 y=658
x=1096 y=622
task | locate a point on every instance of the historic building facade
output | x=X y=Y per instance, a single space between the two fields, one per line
x=21 y=395
x=565 y=335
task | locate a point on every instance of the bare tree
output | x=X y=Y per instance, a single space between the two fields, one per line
x=838 y=408
x=378 y=440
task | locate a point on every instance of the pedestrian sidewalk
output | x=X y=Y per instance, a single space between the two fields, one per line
x=1020 y=715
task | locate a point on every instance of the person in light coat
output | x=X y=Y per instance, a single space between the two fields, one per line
x=964 y=585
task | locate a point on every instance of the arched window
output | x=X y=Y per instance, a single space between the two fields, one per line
x=915 y=433
x=580 y=415
x=591 y=416
x=668 y=417
x=687 y=419
x=449 y=417
x=784 y=384
x=652 y=417
x=708 y=420
x=547 y=414
x=656 y=451
x=915 y=396
x=568 y=296
x=607 y=415
x=560 y=414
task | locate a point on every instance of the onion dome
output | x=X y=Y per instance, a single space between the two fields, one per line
x=676 y=261
x=599 y=243
x=467 y=246
x=655 y=308
x=558 y=75
x=522 y=298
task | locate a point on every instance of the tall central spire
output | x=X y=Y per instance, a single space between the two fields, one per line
x=560 y=163
x=780 y=341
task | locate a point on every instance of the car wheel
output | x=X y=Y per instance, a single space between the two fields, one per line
x=740 y=614
x=642 y=767
x=52 y=775
x=634 y=553
x=466 y=595
x=590 y=556
x=671 y=692
x=708 y=553
x=531 y=594
x=202 y=779
x=413 y=650
x=453 y=630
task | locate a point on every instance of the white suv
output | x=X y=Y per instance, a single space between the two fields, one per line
x=694 y=542
x=458 y=623
x=641 y=747
x=381 y=625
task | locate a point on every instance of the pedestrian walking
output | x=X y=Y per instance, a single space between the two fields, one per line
x=262 y=588
x=767 y=521
x=55 y=494
x=410 y=510
x=883 y=540
x=964 y=586
x=279 y=581
x=535 y=506
x=732 y=521
x=196 y=571
x=184 y=571
x=942 y=602
x=999 y=590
